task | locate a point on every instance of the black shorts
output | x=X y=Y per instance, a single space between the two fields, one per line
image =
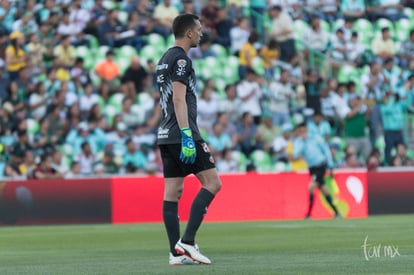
x=174 y=167
x=318 y=174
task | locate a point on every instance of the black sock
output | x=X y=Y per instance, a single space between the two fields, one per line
x=172 y=224
x=329 y=200
x=310 y=204
x=197 y=212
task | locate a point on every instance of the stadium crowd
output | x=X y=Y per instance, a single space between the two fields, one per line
x=79 y=96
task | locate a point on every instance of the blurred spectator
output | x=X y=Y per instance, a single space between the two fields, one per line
x=239 y=35
x=231 y=103
x=258 y=8
x=59 y=163
x=35 y=51
x=401 y=153
x=15 y=55
x=86 y=158
x=111 y=30
x=118 y=138
x=340 y=100
x=218 y=140
x=313 y=87
x=355 y=48
x=165 y=13
x=78 y=15
x=351 y=162
x=338 y=48
x=280 y=94
x=392 y=74
x=7 y=15
x=373 y=10
x=188 y=7
x=383 y=46
x=316 y=38
x=108 y=71
x=354 y=128
x=267 y=131
x=44 y=139
x=373 y=161
x=223 y=25
x=28 y=165
x=372 y=92
x=43 y=14
x=392 y=9
x=67 y=28
x=226 y=163
x=270 y=54
x=392 y=114
x=247 y=133
x=202 y=50
x=229 y=127
x=250 y=93
x=352 y=9
x=44 y=169
x=406 y=51
x=296 y=164
x=247 y=53
x=38 y=101
x=129 y=117
x=134 y=76
x=65 y=52
x=282 y=31
x=74 y=171
x=134 y=157
x=318 y=126
x=210 y=15
x=87 y=99
x=328 y=108
x=26 y=24
x=207 y=109
x=108 y=164
x=13 y=97
x=281 y=142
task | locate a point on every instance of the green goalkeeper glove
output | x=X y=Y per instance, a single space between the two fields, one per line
x=188 y=150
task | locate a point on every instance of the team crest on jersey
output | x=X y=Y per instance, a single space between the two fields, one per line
x=205 y=147
x=181 y=67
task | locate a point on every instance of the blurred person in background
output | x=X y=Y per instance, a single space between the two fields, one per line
x=280 y=95
x=86 y=158
x=246 y=55
x=247 y=134
x=108 y=71
x=383 y=46
x=317 y=155
x=135 y=76
x=267 y=131
x=15 y=55
x=283 y=33
x=207 y=110
x=134 y=157
x=250 y=93
x=65 y=52
x=355 y=124
x=74 y=171
x=239 y=35
x=44 y=169
x=28 y=165
x=218 y=140
x=392 y=114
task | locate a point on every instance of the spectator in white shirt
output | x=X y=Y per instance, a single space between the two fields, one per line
x=316 y=37
x=239 y=35
x=250 y=93
x=281 y=92
x=88 y=99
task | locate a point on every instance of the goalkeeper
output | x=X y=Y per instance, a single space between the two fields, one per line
x=183 y=151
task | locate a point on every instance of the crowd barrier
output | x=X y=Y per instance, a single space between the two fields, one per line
x=244 y=197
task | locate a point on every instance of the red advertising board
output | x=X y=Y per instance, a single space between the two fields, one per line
x=55 y=201
x=243 y=197
x=391 y=192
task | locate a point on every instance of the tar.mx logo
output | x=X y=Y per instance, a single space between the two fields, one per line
x=377 y=250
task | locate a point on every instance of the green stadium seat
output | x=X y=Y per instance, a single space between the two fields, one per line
x=262 y=160
x=150 y=52
x=126 y=51
x=170 y=40
x=116 y=101
x=82 y=51
x=219 y=50
x=110 y=111
x=156 y=39
x=258 y=65
x=299 y=28
x=240 y=158
x=402 y=29
x=32 y=126
x=123 y=63
x=364 y=28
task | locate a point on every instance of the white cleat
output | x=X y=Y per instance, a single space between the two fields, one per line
x=191 y=251
x=181 y=260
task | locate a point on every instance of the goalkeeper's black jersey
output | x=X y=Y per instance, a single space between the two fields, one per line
x=175 y=65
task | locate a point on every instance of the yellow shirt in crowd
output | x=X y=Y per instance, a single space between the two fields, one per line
x=246 y=54
x=15 y=65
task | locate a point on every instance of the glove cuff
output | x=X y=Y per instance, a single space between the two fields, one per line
x=186 y=131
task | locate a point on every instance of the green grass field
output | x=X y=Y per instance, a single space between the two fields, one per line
x=271 y=247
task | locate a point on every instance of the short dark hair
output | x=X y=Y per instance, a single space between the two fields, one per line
x=183 y=23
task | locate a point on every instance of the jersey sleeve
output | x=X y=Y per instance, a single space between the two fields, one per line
x=181 y=69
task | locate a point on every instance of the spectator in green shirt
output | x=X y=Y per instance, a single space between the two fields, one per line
x=355 y=124
x=392 y=113
x=134 y=157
